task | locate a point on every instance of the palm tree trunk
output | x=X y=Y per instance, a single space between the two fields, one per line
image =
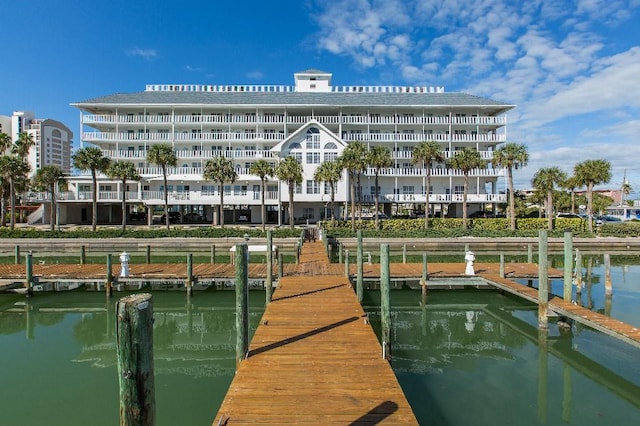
x=333 y=210
x=353 y=203
x=377 y=203
x=512 y=201
x=427 y=209
x=166 y=197
x=262 y=206
x=291 y=187
x=52 y=213
x=12 y=200
x=221 y=206
x=94 y=201
x=464 y=200
x=590 y=205
x=549 y=210
x=124 y=207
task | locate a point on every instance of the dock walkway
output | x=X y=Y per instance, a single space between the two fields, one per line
x=314 y=358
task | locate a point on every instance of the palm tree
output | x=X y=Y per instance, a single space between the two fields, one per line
x=591 y=173
x=263 y=170
x=123 y=170
x=162 y=155
x=50 y=179
x=545 y=180
x=220 y=170
x=465 y=160
x=511 y=156
x=12 y=169
x=570 y=184
x=290 y=171
x=5 y=144
x=22 y=146
x=91 y=158
x=352 y=159
x=427 y=153
x=379 y=158
x=331 y=173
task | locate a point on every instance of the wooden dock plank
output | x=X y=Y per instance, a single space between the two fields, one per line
x=314 y=359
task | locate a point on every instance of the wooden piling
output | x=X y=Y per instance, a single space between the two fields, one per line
x=568 y=265
x=385 y=310
x=268 y=284
x=578 y=271
x=501 y=265
x=424 y=278
x=360 y=271
x=280 y=265
x=608 y=287
x=242 y=304
x=29 y=273
x=134 y=346
x=346 y=263
x=543 y=280
x=404 y=253
x=340 y=252
x=83 y=255
x=148 y=254
x=189 y=274
x=529 y=253
x=298 y=249
x=213 y=254
x=17 y=255
x=109 y=283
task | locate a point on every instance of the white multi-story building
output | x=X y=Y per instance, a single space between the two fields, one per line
x=312 y=121
x=52 y=139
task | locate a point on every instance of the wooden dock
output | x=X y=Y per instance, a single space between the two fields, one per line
x=314 y=358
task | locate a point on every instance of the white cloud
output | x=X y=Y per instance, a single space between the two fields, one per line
x=255 y=75
x=143 y=53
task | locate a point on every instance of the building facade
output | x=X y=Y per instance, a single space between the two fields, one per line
x=312 y=121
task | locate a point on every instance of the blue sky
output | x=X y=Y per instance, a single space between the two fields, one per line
x=571 y=67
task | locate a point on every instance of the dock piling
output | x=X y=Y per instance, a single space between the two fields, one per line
x=189 y=274
x=280 y=266
x=29 y=273
x=404 y=253
x=83 y=255
x=424 y=278
x=213 y=254
x=608 y=287
x=502 y=265
x=134 y=345
x=346 y=263
x=17 y=254
x=529 y=253
x=148 y=254
x=242 y=304
x=360 y=271
x=268 y=285
x=543 y=280
x=385 y=311
x=108 y=286
x=578 y=271
x=568 y=267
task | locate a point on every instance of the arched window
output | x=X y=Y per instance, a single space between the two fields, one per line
x=330 y=145
x=56 y=133
x=294 y=145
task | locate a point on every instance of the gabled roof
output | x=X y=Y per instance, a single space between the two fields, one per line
x=303 y=129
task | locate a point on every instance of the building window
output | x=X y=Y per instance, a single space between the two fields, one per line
x=298 y=189
x=307 y=213
x=313 y=158
x=313 y=187
x=330 y=156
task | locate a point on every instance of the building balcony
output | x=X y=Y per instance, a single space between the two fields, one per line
x=281 y=118
x=408 y=155
x=435 y=172
x=97 y=137
x=141 y=154
x=419 y=137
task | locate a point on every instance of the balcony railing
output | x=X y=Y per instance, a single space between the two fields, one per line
x=193 y=155
x=412 y=171
x=408 y=155
x=181 y=137
x=419 y=137
x=219 y=118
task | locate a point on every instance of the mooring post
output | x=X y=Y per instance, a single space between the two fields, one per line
x=189 y=274
x=109 y=283
x=424 y=278
x=404 y=253
x=608 y=287
x=242 y=304
x=17 y=253
x=340 y=253
x=280 y=265
x=543 y=280
x=568 y=265
x=501 y=265
x=83 y=255
x=346 y=263
x=29 y=273
x=148 y=254
x=330 y=252
x=360 y=271
x=298 y=249
x=385 y=311
x=213 y=254
x=268 y=284
x=134 y=346
x=529 y=253
x=578 y=271
x=466 y=248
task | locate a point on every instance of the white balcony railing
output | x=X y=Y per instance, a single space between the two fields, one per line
x=180 y=137
x=141 y=154
x=281 y=118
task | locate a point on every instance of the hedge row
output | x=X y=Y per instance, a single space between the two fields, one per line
x=202 y=232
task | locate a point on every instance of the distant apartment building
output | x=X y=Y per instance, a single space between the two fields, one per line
x=53 y=140
x=312 y=121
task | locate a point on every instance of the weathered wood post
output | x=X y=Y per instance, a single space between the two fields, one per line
x=346 y=263
x=501 y=265
x=17 y=255
x=568 y=265
x=148 y=254
x=424 y=278
x=466 y=248
x=109 y=284
x=134 y=345
x=298 y=249
x=83 y=255
x=268 y=284
x=529 y=253
x=330 y=252
x=189 y=274
x=213 y=254
x=385 y=311
x=280 y=265
x=404 y=253
x=578 y=271
x=340 y=252
x=543 y=280
x=608 y=287
x=242 y=304
x=29 y=273
x=360 y=271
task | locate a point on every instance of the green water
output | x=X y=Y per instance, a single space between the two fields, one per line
x=466 y=357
